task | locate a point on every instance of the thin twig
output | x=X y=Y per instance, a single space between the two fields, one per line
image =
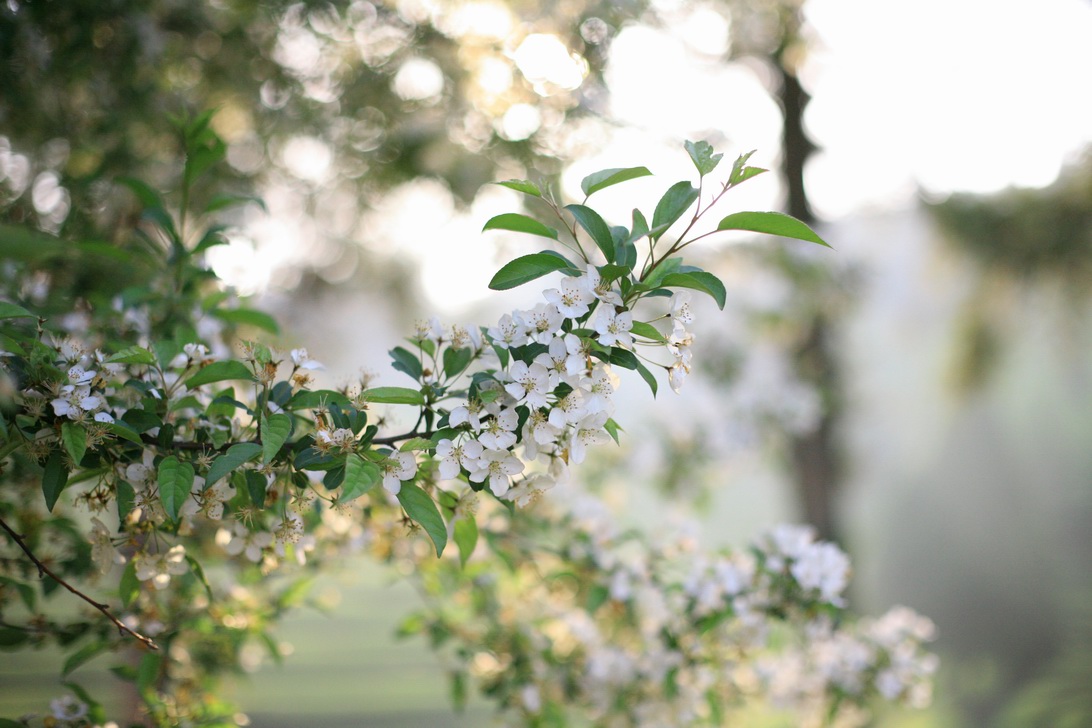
x=44 y=570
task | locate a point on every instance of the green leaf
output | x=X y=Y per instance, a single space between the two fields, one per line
x=741 y=172
x=10 y=310
x=417 y=443
x=612 y=429
x=26 y=591
x=456 y=360
x=771 y=223
x=255 y=487
x=175 y=483
x=421 y=508
x=395 y=395
x=699 y=281
x=222 y=201
x=521 y=224
x=595 y=226
x=640 y=328
x=235 y=456
x=676 y=201
x=607 y=177
x=249 y=317
x=132 y=355
x=54 y=479
x=521 y=185
x=640 y=226
x=74 y=438
x=148 y=671
x=126 y=499
x=199 y=572
x=82 y=655
x=407 y=362
x=527 y=268
x=701 y=153
x=219 y=371
x=129 y=586
x=148 y=197
x=647 y=376
x=275 y=430
x=360 y=477
x=317 y=398
x=466 y=537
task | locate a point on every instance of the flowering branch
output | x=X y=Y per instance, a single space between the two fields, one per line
x=44 y=570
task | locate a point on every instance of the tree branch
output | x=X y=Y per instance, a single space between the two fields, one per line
x=44 y=570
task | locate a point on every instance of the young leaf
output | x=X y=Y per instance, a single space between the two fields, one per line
x=395 y=395
x=54 y=479
x=699 y=281
x=421 y=508
x=521 y=185
x=275 y=430
x=607 y=177
x=771 y=223
x=175 y=482
x=466 y=537
x=521 y=224
x=360 y=476
x=219 y=371
x=595 y=226
x=702 y=155
x=75 y=441
x=741 y=172
x=676 y=201
x=235 y=456
x=527 y=268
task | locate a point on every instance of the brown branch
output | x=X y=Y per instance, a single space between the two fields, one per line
x=44 y=571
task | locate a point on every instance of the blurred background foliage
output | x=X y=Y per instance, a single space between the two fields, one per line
x=971 y=503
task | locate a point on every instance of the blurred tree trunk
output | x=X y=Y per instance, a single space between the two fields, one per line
x=814 y=454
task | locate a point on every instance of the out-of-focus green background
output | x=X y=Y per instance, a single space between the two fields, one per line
x=921 y=393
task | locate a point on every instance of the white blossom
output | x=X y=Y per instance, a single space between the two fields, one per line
x=573 y=297
x=159 y=568
x=399 y=466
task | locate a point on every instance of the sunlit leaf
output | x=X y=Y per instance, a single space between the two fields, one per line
x=360 y=477
x=275 y=430
x=395 y=395
x=699 y=281
x=521 y=185
x=219 y=371
x=235 y=456
x=607 y=177
x=676 y=201
x=771 y=223
x=701 y=153
x=521 y=224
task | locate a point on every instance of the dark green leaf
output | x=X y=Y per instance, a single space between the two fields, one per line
x=74 y=438
x=54 y=479
x=702 y=155
x=275 y=430
x=521 y=224
x=771 y=223
x=407 y=362
x=10 y=310
x=699 y=281
x=148 y=197
x=235 y=456
x=607 y=177
x=521 y=185
x=26 y=591
x=595 y=226
x=647 y=376
x=360 y=477
x=141 y=420
x=219 y=371
x=175 y=483
x=527 y=268
x=466 y=537
x=316 y=398
x=255 y=487
x=395 y=395
x=126 y=499
x=421 y=508
x=148 y=671
x=676 y=201
x=132 y=355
